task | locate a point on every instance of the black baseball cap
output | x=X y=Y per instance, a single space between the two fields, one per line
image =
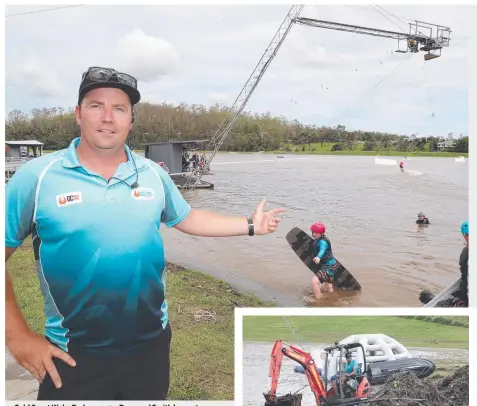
x=96 y=77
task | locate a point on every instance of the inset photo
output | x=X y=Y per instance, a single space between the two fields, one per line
x=352 y=360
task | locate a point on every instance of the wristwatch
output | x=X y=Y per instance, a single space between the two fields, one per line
x=251 y=228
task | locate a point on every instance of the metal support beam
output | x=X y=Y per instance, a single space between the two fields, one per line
x=252 y=82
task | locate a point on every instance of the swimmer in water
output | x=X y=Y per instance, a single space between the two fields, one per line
x=401 y=165
x=422 y=219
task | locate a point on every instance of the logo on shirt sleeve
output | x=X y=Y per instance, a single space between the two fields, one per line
x=68 y=198
x=142 y=193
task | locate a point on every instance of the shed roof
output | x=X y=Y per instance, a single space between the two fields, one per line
x=24 y=142
x=178 y=142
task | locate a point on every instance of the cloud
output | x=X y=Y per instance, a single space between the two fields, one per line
x=205 y=54
x=146 y=57
x=35 y=79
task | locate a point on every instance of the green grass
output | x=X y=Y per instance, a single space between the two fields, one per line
x=447 y=320
x=202 y=352
x=328 y=329
x=358 y=150
x=326 y=150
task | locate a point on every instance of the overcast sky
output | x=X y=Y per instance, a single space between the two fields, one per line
x=205 y=54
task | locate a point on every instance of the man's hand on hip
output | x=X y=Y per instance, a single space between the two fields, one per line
x=34 y=353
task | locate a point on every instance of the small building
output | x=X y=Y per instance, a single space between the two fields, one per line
x=174 y=154
x=23 y=149
x=441 y=146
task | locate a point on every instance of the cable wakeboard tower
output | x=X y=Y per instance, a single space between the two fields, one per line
x=412 y=40
x=438 y=37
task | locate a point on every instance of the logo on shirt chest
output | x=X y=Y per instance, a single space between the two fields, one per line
x=142 y=193
x=68 y=198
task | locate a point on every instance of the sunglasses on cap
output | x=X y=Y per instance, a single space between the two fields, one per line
x=98 y=74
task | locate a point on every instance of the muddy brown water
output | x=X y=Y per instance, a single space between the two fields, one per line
x=256 y=362
x=370 y=212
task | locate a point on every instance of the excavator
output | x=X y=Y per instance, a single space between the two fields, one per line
x=353 y=390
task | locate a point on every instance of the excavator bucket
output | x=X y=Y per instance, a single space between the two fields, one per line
x=291 y=399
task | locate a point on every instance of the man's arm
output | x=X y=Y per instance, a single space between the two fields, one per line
x=210 y=224
x=15 y=323
x=19 y=208
x=32 y=351
x=177 y=213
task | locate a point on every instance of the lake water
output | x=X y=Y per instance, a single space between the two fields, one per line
x=369 y=210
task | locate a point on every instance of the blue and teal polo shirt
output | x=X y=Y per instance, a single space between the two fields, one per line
x=97 y=246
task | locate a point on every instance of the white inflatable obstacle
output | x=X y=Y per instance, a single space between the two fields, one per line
x=378 y=347
x=384 y=161
x=460 y=159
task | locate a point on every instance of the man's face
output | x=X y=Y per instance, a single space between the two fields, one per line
x=105 y=118
x=421 y=217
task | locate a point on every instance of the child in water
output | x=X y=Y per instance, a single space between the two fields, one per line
x=422 y=219
x=323 y=280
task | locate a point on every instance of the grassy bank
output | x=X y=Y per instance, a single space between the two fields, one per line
x=446 y=320
x=324 y=148
x=328 y=329
x=317 y=149
x=202 y=354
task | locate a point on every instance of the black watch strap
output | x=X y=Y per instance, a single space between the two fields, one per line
x=251 y=228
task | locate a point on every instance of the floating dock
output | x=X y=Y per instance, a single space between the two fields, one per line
x=182 y=182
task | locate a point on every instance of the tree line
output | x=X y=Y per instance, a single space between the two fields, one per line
x=56 y=127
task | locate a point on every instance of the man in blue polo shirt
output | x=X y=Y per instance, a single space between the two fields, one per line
x=94 y=211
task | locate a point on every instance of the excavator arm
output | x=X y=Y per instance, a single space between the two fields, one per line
x=305 y=360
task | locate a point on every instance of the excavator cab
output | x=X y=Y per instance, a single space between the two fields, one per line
x=346 y=390
x=352 y=392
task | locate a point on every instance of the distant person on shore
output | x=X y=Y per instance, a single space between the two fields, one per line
x=422 y=219
x=94 y=212
x=322 y=253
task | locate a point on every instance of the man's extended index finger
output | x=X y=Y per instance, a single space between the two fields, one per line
x=57 y=353
x=274 y=212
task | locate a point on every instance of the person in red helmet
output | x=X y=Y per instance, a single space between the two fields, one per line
x=322 y=281
x=401 y=165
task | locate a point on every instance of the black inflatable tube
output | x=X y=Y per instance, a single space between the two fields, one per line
x=379 y=372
